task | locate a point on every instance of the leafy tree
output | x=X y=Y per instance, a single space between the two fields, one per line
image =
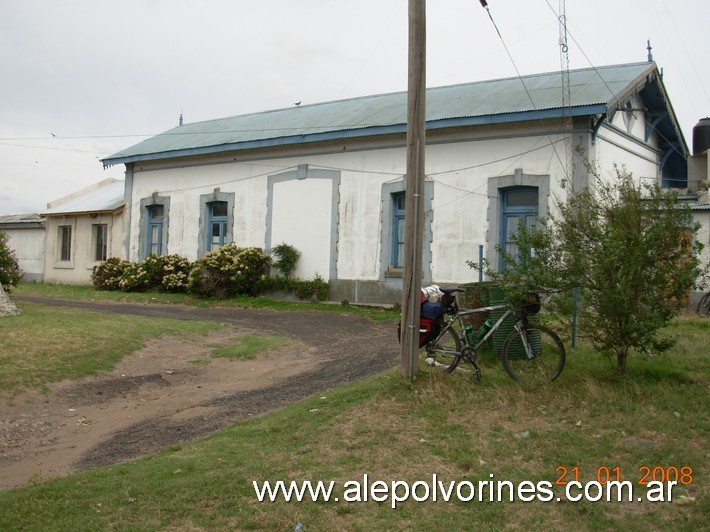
x=10 y=273
x=628 y=250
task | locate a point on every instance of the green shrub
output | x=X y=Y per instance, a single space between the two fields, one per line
x=107 y=275
x=10 y=273
x=229 y=271
x=313 y=290
x=286 y=258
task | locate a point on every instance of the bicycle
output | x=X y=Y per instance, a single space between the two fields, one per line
x=530 y=354
x=704 y=305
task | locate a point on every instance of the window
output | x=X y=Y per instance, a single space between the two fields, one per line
x=100 y=242
x=156 y=214
x=217 y=223
x=154 y=226
x=398 y=210
x=392 y=230
x=500 y=205
x=519 y=206
x=65 y=243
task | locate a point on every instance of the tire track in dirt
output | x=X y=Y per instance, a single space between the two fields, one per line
x=345 y=347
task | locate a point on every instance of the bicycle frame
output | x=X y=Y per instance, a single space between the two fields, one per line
x=458 y=318
x=542 y=356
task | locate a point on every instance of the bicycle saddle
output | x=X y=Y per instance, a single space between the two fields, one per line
x=451 y=290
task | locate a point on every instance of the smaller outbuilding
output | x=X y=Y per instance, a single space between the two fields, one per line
x=26 y=237
x=83 y=230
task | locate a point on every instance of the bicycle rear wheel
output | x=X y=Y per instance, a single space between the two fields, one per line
x=704 y=305
x=446 y=351
x=548 y=359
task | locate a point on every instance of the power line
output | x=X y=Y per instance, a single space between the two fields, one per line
x=520 y=77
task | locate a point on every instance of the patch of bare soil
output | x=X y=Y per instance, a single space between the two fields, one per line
x=173 y=390
x=44 y=435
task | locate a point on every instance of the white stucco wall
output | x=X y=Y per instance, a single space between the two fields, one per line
x=184 y=186
x=301 y=217
x=625 y=145
x=297 y=211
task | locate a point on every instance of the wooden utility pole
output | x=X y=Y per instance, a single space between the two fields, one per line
x=414 y=205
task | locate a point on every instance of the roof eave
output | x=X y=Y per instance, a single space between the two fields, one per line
x=367 y=131
x=651 y=75
x=112 y=212
x=21 y=225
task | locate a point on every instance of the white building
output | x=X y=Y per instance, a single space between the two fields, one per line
x=329 y=178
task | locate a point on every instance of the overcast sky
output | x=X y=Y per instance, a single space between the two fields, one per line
x=83 y=79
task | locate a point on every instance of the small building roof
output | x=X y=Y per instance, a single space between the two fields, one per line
x=593 y=91
x=21 y=221
x=104 y=196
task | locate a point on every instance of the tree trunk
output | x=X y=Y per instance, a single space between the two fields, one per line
x=621 y=361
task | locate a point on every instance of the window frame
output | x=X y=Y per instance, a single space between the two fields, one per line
x=527 y=213
x=207 y=201
x=398 y=221
x=154 y=245
x=219 y=221
x=64 y=243
x=499 y=183
x=387 y=228
x=147 y=224
x=100 y=241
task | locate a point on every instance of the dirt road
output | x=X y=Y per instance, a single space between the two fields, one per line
x=173 y=390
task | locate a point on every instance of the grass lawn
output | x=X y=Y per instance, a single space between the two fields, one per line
x=47 y=344
x=586 y=424
x=87 y=293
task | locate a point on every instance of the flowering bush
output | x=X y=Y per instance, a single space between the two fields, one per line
x=228 y=271
x=10 y=273
x=175 y=273
x=136 y=278
x=156 y=272
x=107 y=275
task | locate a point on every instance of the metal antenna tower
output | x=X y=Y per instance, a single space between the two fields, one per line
x=566 y=95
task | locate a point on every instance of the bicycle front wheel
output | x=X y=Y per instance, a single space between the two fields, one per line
x=547 y=355
x=704 y=305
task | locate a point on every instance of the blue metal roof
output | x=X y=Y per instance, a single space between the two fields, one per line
x=593 y=91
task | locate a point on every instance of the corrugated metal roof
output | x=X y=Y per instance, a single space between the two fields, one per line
x=592 y=90
x=20 y=219
x=106 y=196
